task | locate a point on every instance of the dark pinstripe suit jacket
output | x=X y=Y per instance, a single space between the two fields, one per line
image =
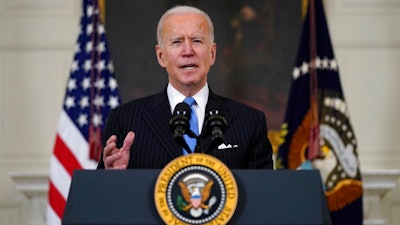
x=154 y=146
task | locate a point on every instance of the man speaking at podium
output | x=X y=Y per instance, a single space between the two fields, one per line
x=138 y=134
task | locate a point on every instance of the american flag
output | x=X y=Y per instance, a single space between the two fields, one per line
x=91 y=93
x=317 y=132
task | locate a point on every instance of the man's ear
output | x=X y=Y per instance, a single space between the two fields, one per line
x=160 y=56
x=213 y=53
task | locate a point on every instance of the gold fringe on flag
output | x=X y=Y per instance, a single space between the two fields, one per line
x=102 y=8
x=304 y=8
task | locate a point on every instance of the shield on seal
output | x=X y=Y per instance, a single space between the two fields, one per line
x=195 y=199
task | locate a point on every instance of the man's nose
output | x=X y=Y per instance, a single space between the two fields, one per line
x=188 y=47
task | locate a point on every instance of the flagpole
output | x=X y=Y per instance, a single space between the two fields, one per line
x=313 y=147
x=95 y=144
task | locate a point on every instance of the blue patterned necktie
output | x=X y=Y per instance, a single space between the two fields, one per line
x=191 y=142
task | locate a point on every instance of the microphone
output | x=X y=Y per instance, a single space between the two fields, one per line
x=180 y=124
x=216 y=125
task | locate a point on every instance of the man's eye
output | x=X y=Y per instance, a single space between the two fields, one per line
x=176 y=42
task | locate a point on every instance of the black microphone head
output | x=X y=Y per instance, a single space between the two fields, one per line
x=180 y=117
x=215 y=124
x=180 y=124
x=214 y=117
x=182 y=107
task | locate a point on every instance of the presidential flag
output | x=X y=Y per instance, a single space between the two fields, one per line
x=91 y=93
x=317 y=133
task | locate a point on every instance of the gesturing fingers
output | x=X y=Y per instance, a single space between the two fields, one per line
x=115 y=158
x=110 y=146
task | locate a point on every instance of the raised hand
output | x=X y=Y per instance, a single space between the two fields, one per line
x=117 y=158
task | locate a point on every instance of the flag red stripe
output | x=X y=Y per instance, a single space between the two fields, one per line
x=56 y=200
x=65 y=156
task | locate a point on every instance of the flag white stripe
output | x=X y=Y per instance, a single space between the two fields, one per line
x=59 y=177
x=52 y=217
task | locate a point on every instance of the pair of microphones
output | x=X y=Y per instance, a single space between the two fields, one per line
x=214 y=123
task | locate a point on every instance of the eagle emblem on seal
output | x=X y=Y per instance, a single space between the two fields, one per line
x=196 y=192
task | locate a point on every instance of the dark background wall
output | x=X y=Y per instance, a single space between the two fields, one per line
x=256 y=48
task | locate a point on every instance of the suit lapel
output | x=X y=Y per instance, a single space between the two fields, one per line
x=157 y=115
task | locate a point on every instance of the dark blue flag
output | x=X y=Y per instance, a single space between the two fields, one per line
x=317 y=133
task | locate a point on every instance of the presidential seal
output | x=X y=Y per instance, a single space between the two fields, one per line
x=196 y=189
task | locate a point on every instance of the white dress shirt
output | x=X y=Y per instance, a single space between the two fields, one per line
x=175 y=97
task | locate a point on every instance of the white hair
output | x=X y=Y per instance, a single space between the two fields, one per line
x=183 y=10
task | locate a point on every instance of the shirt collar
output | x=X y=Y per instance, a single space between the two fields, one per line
x=175 y=97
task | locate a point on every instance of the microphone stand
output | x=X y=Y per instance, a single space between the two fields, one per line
x=197 y=149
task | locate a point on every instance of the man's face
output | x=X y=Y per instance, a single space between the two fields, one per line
x=186 y=51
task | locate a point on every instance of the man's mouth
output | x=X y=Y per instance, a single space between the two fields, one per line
x=189 y=66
